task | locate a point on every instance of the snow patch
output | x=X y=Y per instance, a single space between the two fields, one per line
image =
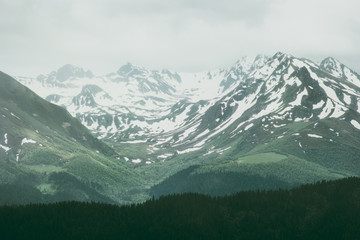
x=248 y=126
x=136 y=141
x=327 y=109
x=136 y=160
x=5 y=148
x=355 y=123
x=18 y=156
x=208 y=153
x=188 y=150
x=201 y=143
x=299 y=97
x=165 y=155
x=314 y=135
x=14 y=115
x=278 y=126
x=221 y=151
x=299 y=119
x=319 y=104
x=65 y=125
x=351 y=77
x=6 y=138
x=347 y=99
x=202 y=134
x=25 y=140
x=188 y=132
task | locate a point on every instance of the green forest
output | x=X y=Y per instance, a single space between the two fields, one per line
x=323 y=210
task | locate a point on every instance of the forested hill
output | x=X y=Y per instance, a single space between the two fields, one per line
x=324 y=210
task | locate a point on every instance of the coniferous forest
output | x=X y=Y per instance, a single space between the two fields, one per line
x=324 y=210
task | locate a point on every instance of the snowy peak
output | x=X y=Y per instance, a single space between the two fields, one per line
x=144 y=81
x=241 y=71
x=91 y=95
x=290 y=89
x=339 y=70
x=64 y=73
x=259 y=62
x=281 y=56
x=130 y=70
x=265 y=67
x=332 y=65
x=244 y=64
x=91 y=89
x=169 y=75
x=68 y=71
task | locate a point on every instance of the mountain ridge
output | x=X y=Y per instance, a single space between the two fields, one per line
x=281 y=118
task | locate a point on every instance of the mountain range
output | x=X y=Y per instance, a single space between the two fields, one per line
x=263 y=123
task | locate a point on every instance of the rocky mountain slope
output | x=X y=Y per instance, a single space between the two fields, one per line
x=291 y=120
x=282 y=120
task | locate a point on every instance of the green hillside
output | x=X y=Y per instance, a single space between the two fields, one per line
x=40 y=140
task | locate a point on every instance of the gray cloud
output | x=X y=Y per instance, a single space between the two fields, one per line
x=211 y=11
x=185 y=35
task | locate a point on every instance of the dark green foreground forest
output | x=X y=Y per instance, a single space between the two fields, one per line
x=324 y=210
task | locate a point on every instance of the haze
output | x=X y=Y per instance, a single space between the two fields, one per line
x=183 y=35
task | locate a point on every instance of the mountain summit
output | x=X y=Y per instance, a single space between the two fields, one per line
x=339 y=70
x=66 y=72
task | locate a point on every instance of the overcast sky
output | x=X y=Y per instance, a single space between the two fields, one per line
x=38 y=36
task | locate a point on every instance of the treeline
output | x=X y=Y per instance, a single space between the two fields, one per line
x=324 y=210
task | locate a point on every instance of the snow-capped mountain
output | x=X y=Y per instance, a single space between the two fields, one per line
x=290 y=121
x=257 y=103
x=281 y=119
x=135 y=103
x=286 y=90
